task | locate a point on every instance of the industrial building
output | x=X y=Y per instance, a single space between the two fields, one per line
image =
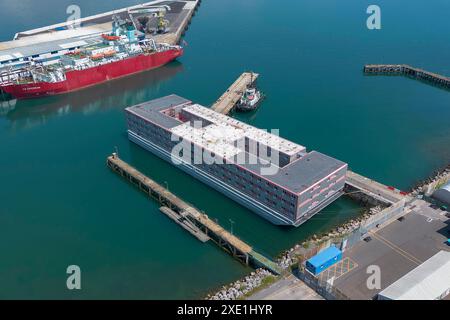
x=429 y=281
x=288 y=191
x=323 y=260
x=443 y=194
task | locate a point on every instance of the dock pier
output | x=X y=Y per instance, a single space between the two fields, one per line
x=406 y=70
x=226 y=103
x=191 y=219
x=174 y=37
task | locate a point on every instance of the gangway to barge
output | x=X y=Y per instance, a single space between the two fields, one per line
x=374 y=189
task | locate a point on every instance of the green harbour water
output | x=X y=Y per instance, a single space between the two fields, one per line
x=60 y=205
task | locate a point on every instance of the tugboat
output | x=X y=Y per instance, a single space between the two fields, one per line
x=250 y=99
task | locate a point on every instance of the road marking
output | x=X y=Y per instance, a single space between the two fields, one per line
x=400 y=249
x=338 y=270
x=396 y=248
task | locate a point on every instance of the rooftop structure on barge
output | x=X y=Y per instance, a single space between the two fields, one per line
x=276 y=178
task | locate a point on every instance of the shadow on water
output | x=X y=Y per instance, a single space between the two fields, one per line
x=114 y=94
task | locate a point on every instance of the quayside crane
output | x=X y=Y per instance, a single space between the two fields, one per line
x=158 y=12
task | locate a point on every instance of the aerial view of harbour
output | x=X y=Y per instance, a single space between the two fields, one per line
x=362 y=115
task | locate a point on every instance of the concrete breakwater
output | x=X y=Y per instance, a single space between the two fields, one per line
x=408 y=71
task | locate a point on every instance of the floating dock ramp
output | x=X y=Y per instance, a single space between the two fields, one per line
x=228 y=100
x=406 y=70
x=191 y=219
x=185 y=223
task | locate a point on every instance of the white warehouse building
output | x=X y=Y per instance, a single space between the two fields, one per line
x=429 y=281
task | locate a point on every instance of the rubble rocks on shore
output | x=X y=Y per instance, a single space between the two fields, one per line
x=422 y=186
x=286 y=260
x=290 y=257
x=241 y=287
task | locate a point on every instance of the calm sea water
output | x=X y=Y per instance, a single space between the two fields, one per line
x=60 y=205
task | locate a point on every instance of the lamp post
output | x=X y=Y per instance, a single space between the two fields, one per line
x=231 y=225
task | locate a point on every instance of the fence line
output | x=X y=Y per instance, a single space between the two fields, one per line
x=327 y=290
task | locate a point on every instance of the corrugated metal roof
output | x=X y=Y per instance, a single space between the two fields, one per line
x=446 y=186
x=46 y=47
x=57 y=38
x=324 y=256
x=426 y=282
x=443 y=194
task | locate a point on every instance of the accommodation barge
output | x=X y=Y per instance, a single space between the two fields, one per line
x=276 y=178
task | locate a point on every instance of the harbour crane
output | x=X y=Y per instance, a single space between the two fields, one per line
x=158 y=12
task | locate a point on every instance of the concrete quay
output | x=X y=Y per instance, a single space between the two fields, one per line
x=179 y=17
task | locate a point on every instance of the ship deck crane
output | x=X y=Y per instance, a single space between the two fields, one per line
x=158 y=12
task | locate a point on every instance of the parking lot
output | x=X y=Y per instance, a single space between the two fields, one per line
x=338 y=270
x=396 y=249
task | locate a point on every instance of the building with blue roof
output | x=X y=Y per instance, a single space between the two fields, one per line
x=323 y=260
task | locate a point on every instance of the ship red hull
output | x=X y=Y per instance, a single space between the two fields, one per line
x=80 y=79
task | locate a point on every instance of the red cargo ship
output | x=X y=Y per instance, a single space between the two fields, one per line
x=107 y=58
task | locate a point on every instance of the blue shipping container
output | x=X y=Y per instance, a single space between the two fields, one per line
x=323 y=260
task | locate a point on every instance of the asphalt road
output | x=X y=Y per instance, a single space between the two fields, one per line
x=290 y=288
